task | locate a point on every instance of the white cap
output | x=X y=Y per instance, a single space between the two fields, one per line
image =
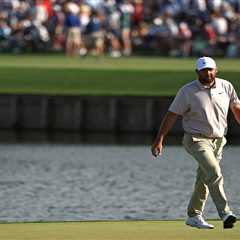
x=205 y=62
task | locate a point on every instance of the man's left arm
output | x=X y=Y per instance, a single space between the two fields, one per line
x=235 y=108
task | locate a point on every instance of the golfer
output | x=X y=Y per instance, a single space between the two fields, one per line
x=203 y=105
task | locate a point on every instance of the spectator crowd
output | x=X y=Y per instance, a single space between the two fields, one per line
x=121 y=27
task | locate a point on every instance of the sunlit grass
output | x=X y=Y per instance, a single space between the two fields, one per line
x=115 y=230
x=134 y=76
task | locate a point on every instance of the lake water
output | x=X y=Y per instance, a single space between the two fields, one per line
x=68 y=182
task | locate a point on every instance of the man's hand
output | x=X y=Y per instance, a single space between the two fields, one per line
x=157 y=149
x=167 y=122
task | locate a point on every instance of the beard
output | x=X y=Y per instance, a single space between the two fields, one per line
x=209 y=81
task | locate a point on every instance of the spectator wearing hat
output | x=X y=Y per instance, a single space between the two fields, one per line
x=72 y=23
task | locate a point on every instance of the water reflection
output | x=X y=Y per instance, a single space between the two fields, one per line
x=35 y=136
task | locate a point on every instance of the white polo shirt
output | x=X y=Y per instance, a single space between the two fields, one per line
x=204 y=110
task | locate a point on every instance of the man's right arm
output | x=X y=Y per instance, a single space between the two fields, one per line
x=236 y=111
x=167 y=123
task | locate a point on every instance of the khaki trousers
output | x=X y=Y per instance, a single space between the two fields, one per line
x=208 y=153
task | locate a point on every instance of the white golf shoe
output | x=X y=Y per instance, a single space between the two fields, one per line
x=198 y=222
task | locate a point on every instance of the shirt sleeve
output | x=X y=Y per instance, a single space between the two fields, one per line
x=180 y=103
x=233 y=96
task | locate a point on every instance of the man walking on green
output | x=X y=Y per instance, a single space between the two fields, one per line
x=203 y=105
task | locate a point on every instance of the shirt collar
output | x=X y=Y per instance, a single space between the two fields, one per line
x=204 y=87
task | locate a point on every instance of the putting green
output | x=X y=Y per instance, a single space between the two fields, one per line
x=115 y=230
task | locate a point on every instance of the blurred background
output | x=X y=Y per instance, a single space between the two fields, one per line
x=84 y=86
x=121 y=27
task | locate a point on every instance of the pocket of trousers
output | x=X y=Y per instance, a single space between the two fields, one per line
x=194 y=144
x=221 y=144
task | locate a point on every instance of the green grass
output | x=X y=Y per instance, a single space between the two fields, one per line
x=131 y=63
x=58 y=75
x=115 y=230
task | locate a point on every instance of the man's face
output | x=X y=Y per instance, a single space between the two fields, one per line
x=207 y=76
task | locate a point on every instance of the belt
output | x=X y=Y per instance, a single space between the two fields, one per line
x=202 y=136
